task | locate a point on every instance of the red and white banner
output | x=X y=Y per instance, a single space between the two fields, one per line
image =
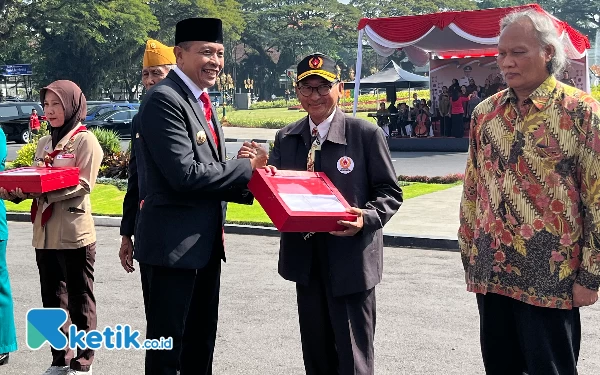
x=459 y=35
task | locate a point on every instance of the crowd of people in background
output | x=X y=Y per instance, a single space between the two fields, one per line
x=452 y=111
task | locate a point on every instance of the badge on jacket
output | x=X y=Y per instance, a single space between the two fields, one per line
x=345 y=165
x=200 y=137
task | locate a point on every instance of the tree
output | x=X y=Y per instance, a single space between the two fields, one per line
x=392 y=8
x=94 y=40
x=69 y=39
x=169 y=12
x=485 y=4
x=280 y=32
x=584 y=15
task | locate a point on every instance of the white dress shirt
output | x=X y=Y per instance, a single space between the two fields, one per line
x=196 y=91
x=322 y=128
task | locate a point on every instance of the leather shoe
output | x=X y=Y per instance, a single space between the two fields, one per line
x=3 y=359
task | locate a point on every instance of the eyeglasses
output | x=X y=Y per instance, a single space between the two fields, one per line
x=322 y=90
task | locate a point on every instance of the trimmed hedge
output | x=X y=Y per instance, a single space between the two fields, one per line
x=447 y=179
x=275 y=104
x=120 y=183
x=370 y=100
x=255 y=123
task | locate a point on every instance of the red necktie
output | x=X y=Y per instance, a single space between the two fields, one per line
x=208 y=115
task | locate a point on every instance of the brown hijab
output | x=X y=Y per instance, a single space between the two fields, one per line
x=74 y=104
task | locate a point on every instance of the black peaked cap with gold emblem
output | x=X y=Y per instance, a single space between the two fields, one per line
x=317 y=64
x=199 y=29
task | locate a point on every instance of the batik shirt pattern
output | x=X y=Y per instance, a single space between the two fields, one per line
x=530 y=209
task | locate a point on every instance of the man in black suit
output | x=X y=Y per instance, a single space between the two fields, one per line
x=157 y=62
x=336 y=273
x=179 y=234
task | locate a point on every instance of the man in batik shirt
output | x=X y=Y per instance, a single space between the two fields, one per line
x=529 y=234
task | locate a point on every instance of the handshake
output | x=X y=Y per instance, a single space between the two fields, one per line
x=256 y=153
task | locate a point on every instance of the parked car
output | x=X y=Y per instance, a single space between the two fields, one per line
x=216 y=98
x=14 y=119
x=14 y=99
x=94 y=103
x=97 y=110
x=118 y=120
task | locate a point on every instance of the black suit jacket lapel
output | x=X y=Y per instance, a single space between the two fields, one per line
x=219 y=131
x=301 y=131
x=197 y=111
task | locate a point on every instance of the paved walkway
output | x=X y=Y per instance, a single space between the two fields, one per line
x=249 y=133
x=432 y=215
x=427 y=323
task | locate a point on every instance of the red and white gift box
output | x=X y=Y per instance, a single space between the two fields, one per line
x=299 y=201
x=39 y=179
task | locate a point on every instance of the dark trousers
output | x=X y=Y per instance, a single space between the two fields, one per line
x=445 y=126
x=393 y=124
x=458 y=126
x=518 y=338
x=337 y=332
x=182 y=304
x=67 y=282
x=402 y=128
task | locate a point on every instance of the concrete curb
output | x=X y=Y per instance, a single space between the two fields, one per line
x=389 y=240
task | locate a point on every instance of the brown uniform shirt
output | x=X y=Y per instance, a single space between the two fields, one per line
x=71 y=225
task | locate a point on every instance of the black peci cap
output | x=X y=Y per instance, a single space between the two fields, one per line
x=318 y=64
x=199 y=29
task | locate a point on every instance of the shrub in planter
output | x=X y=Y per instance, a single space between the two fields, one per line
x=25 y=155
x=115 y=165
x=596 y=92
x=109 y=140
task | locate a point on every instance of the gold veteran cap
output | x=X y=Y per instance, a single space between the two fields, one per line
x=317 y=64
x=158 y=54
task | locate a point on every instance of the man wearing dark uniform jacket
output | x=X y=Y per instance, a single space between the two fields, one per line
x=157 y=62
x=336 y=273
x=187 y=184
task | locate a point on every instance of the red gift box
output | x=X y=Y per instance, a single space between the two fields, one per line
x=298 y=201
x=39 y=180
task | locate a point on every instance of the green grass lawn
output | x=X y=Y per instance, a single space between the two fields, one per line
x=108 y=200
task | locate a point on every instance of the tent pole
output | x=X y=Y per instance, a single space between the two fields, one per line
x=358 y=72
x=587 y=85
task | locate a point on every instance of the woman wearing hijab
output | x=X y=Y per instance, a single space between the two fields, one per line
x=63 y=228
x=8 y=335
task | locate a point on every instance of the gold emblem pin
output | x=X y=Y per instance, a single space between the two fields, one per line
x=201 y=137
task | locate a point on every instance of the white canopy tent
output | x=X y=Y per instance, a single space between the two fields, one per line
x=450 y=35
